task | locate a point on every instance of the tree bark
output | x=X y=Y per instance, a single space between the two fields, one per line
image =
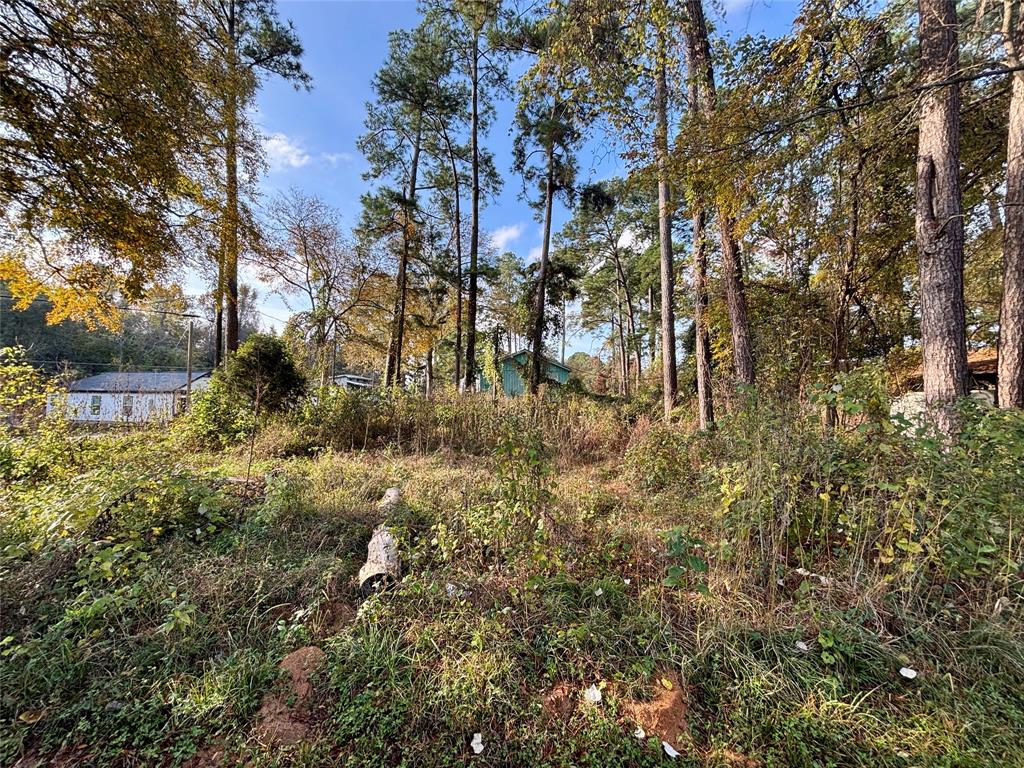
x=1011 y=309
x=703 y=77
x=231 y=182
x=218 y=320
x=474 y=226
x=939 y=225
x=537 y=342
x=702 y=346
x=634 y=341
x=458 y=261
x=393 y=368
x=623 y=352
x=702 y=337
x=428 y=380
x=652 y=325
x=668 y=318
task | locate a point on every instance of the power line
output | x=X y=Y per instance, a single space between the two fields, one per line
x=134 y=369
x=43 y=300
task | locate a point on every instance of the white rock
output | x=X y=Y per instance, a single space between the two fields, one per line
x=627 y=582
x=382 y=561
x=669 y=750
x=908 y=672
x=802 y=646
x=640 y=733
x=390 y=501
x=477 y=743
x=593 y=695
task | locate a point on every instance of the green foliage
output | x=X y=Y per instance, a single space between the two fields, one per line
x=659 y=457
x=685 y=552
x=262 y=375
x=23 y=390
x=217 y=419
x=30 y=441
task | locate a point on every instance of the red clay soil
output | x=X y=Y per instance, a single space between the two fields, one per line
x=560 y=702
x=664 y=715
x=283 y=717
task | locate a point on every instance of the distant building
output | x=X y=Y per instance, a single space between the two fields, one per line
x=982 y=385
x=127 y=397
x=513 y=368
x=354 y=381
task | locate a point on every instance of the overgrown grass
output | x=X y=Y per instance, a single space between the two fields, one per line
x=149 y=593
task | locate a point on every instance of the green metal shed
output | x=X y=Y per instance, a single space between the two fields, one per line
x=514 y=373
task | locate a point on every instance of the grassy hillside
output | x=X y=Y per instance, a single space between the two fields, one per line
x=758 y=597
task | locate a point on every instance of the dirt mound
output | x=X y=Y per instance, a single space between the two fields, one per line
x=560 y=702
x=283 y=718
x=665 y=714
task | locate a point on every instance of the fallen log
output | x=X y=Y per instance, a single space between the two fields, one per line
x=383 y=564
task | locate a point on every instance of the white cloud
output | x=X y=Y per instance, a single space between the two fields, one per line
x=502 y=236
x=283 y=153
x=334 y=159
x=630 y=240
x=534 y=254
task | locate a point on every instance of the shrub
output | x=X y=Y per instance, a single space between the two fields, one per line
x=263 y=373
x=258 y=381
x=217 y=419
x=658 y=457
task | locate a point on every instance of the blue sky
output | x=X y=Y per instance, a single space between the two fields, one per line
x=311 y=136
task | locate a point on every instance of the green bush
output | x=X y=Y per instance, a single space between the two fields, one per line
x=217 y=419
x=659 y=457
x=262 y=374
x=257 y=382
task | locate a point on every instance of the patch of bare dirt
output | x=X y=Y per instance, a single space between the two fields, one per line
x=560 y=702
x=736 y=759
x=665 y=714
x=210 y=756
x=332 y=617
x=65 y=757
x=283 y=718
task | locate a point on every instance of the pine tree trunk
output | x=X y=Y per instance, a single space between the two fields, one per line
x=458 y=262
x=218 y=320
x=623 y=352
x=702 y=346
x=703 y=78
x=458 y=290
x=668 y=318
x=1011 y=310
x=652 y=326
x=537 y=342
x=702 y=341
x=474 y=225
x=393 y=368
x=634 y=341
x=231 y=181
x=428 y=383
x=940 y=233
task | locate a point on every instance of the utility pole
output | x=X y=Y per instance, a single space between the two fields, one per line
x=188 y=367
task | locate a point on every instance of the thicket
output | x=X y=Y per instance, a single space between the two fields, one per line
x=787 y=574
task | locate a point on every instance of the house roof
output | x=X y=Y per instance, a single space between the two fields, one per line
x=136 y=381
x=980 y=362
x=516 y=355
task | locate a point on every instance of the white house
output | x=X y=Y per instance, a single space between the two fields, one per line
x=354 y=381
x=127 y=397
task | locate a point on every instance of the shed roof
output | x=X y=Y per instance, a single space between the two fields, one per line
x=136 y=381
x=548 y=360
x=980 y=363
